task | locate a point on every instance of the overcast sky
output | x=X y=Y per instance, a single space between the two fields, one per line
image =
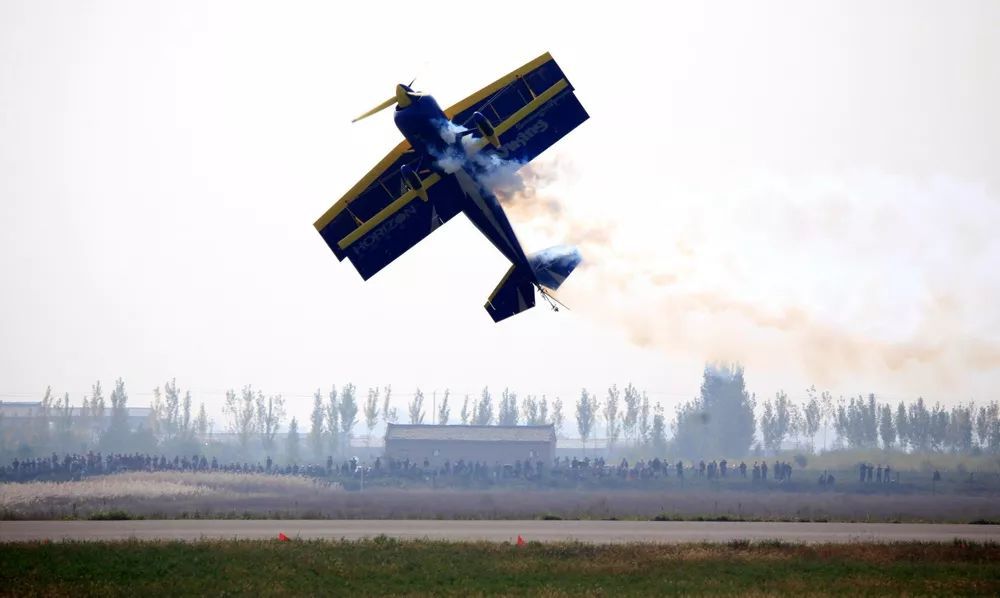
x=811 y=189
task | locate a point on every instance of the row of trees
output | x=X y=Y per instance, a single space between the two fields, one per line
x=864 y=422
x=56 y=424
x=720 y=421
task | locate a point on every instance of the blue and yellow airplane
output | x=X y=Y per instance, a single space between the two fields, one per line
x=445 y=167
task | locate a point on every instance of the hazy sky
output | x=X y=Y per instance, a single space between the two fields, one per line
x=812 y=189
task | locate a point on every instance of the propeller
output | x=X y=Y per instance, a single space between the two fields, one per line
x=403 y=98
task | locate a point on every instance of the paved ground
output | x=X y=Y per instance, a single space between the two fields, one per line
x=497 y=531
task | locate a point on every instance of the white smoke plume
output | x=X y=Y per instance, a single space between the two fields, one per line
x=493 y=172
x=868 y=277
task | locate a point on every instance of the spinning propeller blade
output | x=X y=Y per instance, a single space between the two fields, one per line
x=378 y=108
x=404 y=95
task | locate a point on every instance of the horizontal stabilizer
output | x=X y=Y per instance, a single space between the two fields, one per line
x=514 y=294
x=552 y=266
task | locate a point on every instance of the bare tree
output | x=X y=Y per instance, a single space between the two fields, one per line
x=156 y=413
x=171 y=408
x=645 y=423
x=371 y=412
x=186 y=415
x=348 y=412
x=389 y=413
x=586 y=415
x=613 y=425
x=529 y=409
x=292 y=442
x=241 y=415
x=416 y=408
x=42 y=417
x=507 y=414
x=201 y=422
x=316 y=420
x=97 y=405
x=631 y=416
x=557 y=415
x=118 y=428
x=484 y=409
x=826 y=408
x=657 y=434
x=270 y=414
x=466 y=412
x=64 y=421
x=333 y=421
x=543 y=410
x=886 y=428
x=813 y=414
x=444 y=411
x=775 y=421
x=83 y=421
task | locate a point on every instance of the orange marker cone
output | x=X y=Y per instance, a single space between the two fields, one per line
x=283 y=538
x=520 y=540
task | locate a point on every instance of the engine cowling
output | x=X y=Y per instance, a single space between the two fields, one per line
x=485 y=128
x=412 y=181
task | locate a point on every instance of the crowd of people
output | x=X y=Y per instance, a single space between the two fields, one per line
x=76 y=466
x=458 y=472
x=867 y=473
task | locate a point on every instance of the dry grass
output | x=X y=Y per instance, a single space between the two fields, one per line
x=175 y=494
x=147 y=492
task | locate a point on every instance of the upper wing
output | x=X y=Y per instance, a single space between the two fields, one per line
x=530 y=109
x=367 y=197
x=379 y=218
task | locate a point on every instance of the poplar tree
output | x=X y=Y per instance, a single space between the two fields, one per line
x=416 y=407
x=292 y=442
x=586 y=415
x=371 y=411
x=316 y=419
x=333 y=421
x=630 y=419
x=507 y=415
x=240 y=411
x=348 y=412
x=444 y=411
x=612 y=423
x=270 y=414
x=484 y=409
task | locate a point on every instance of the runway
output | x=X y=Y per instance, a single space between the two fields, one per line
x=598 y=532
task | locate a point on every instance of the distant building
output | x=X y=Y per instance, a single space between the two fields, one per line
x=490 y=444
x=19 y=418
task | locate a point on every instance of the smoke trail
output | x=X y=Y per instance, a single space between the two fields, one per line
x=490 y=170
x=871 y=275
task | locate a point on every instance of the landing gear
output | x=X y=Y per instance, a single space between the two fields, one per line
x=554 y=303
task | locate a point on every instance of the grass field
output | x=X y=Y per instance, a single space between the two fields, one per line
x=384 y=566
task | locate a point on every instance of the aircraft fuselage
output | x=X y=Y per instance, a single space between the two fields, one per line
x=442 y=149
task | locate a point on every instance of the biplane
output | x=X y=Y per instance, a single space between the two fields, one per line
x=445 y=166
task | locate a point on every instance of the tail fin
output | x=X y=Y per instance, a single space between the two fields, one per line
x=514 y=294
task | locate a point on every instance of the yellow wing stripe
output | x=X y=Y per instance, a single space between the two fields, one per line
x=475 y=148
x=361 y=185
x=499 y=286
x=404 y=146
x=523 y=113
x=387 y=211
x=497 y=85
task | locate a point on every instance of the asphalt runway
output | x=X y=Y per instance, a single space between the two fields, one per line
x=599 y=532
